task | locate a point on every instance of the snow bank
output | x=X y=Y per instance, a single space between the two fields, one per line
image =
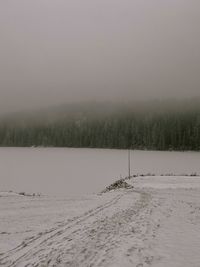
x=165 y=182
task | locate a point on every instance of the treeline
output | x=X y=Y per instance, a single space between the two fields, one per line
x=157 y=128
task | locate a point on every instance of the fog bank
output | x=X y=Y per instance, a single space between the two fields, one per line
x=54 y=52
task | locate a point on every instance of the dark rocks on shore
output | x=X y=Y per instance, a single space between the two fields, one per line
x=117 y=185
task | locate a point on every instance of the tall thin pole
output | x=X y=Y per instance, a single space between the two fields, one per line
x=129 y=163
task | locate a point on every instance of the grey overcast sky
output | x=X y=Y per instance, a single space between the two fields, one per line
x=57 y=51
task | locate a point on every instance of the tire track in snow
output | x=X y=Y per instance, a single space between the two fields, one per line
x=96 y=240
x=12 y=257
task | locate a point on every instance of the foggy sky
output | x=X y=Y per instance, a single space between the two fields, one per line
x=57 y=51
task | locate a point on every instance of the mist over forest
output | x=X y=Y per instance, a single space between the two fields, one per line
x=159 y=125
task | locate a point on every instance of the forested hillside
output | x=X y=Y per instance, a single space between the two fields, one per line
x=158 y=125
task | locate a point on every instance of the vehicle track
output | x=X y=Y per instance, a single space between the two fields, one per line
x=93 y=239
x=14 y=256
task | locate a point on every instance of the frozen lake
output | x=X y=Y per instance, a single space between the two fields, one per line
x=73 y=171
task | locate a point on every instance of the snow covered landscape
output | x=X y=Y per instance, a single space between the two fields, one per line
x=154 y=223
x=75 y=171
x=99 y=133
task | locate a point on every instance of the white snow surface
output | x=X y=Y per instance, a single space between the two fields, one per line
x=157 y=223
x=74 y=171
x=8 y=194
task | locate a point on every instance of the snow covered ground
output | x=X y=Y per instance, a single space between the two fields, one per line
x=156 y=223
x=74 y=171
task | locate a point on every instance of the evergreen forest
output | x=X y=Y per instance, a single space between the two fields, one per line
x=154 y=125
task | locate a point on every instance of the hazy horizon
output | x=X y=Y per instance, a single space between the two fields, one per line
x=56 y=52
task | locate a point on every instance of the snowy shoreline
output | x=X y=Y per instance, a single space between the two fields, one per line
x=154 y=222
